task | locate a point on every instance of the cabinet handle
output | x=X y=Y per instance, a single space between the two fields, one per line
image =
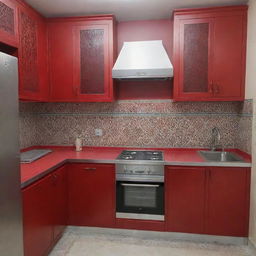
x=140 y=185
x=89 y=169
x=211 y=87
x=217 y=89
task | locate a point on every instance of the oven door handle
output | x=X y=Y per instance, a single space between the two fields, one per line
x=139 y=185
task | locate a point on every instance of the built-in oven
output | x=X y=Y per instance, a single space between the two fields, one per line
x=140 y=200
x=140 y=191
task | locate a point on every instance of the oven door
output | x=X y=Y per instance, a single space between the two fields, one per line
x=140 y=200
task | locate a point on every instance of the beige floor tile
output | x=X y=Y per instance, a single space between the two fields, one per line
x=87 y=244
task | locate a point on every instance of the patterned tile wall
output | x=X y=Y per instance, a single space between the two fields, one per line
x=28 y=126
x=142 y=123
x=244 y=133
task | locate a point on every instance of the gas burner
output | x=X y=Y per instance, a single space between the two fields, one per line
x=154 y=158
x=141 y=155
x=127 y=157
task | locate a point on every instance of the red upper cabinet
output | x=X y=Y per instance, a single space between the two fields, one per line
x=33 y=83
x=81 y=59
x=92 y=66
x=8 y=23
x=228 y=201
x=209 y=63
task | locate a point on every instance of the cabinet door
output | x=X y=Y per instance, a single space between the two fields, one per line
x=33 y=84
x=193 y=58
x=60 y=203
x=185 y=199
x=91 y=195
x=228 y=201
x=37 y=217
x=61 y=61
x=229 y=56
x=8 y=23
x=92 y=66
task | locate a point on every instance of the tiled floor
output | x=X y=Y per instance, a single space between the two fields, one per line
x=79 y=242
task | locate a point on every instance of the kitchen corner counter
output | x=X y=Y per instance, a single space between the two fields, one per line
x=61 y=155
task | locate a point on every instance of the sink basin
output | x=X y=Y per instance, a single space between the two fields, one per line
x=220 y=156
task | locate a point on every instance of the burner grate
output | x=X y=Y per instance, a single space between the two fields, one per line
x=141 y=155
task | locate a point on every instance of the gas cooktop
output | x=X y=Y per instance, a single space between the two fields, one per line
x=141 y=155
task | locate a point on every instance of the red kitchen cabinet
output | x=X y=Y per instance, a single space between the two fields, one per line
x=212 y=200
x=185 y=199
x=91 y=195
x=209 y=62
x=8 y=23
x=44 y=213
x=228 y=201
x=33 y=70
x=60 y=201
x=82 y=52
x=37 y=217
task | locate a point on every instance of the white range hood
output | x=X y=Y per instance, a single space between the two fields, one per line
x=143 y=60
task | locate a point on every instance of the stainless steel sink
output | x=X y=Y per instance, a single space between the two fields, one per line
x=220 y=156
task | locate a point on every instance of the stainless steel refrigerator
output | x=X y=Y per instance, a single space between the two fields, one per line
x=11 y=238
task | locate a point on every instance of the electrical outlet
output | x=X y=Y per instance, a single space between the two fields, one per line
x=98 y=132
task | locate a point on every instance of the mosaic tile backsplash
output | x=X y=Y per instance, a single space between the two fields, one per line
x=145 y=123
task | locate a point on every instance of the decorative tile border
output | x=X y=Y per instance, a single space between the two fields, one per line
x=135 y=107
x=244 y=133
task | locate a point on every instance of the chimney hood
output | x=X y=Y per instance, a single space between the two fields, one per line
x=143 y=60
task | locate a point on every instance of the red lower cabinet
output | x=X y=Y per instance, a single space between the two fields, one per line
x=212 y=201
x=60 y=199
x=200 y=200
x=44 y=213
x=91 y=200
x=37 y=217
x=228 y=201
x=185 y=199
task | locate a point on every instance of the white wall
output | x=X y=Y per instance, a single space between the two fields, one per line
x=251 y=94
x=251 y=52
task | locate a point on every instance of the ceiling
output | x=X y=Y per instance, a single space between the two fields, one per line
x=123 y=9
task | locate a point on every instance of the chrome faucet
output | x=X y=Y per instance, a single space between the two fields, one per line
x=215 y=139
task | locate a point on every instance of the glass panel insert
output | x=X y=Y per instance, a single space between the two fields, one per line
x=6 y=18
x=29 y=53
x=92 y=61
x=196 y=57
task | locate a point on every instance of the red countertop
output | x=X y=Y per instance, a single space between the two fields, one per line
x=33 y=171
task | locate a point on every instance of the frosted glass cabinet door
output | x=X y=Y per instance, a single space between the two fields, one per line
x=8 y=23
x=33 y=67
x=28 y=53
x=92 y=69
x=194 y=57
